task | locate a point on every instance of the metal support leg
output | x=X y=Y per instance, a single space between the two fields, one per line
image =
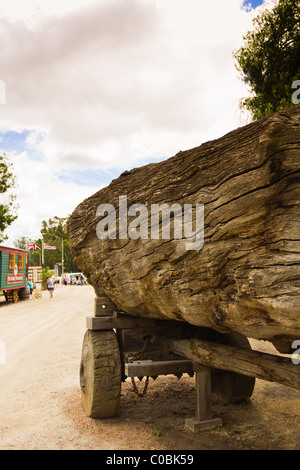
x=203 y=420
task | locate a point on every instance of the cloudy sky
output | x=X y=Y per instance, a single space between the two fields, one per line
x=92 y=88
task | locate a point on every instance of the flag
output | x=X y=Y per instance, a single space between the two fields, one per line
x=32 y=246
x=49 y=247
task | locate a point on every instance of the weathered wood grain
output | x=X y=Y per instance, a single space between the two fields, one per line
x=246 y=278
x=243 y=361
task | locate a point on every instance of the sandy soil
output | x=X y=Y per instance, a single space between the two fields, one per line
x=40 y=405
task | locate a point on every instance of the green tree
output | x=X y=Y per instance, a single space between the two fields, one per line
x=22 y=243
x=7 y=206
x=34 y=256
x=269 y=61
x=53 y=233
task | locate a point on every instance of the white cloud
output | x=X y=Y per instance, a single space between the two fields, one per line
x=41 y=195
x=107 y=83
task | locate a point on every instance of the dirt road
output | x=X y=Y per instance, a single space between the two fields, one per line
x=40 y=405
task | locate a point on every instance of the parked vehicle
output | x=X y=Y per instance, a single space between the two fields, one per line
x=13 y=273
x=74 y=278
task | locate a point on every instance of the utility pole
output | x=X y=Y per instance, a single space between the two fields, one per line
x=62 y=251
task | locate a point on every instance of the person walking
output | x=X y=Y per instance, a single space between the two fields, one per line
x=30 y=286
x=50 y=286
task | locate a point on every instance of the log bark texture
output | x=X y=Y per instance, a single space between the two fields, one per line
x=242 y=361
x=246 y=277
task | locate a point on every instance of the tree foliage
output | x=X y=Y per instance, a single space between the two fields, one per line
x=7 y=204
x=54 y=234
x=269 y=61
x=22 y=243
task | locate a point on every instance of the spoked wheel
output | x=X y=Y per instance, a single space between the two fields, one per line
x=231 y=387
x=100 y=374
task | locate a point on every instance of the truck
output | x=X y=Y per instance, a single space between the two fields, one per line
x=163 y=306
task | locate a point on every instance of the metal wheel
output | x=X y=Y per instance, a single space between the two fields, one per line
x=231 y=387
x=100 y=374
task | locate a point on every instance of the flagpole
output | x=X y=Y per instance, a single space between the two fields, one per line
x=62 y=251
x=62 y=256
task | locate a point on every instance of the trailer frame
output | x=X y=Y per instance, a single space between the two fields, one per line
x=130 y=341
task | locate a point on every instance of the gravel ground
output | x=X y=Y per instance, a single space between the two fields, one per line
x=40 y=404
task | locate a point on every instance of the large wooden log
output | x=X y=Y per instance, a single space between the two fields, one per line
x=242 y=361
x=246 y=277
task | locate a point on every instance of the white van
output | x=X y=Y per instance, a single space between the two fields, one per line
x=74 y=278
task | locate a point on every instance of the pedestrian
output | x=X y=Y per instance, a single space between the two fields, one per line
x=65 y=281
x=81 y=279
x=50 y=286
x=30 y=286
